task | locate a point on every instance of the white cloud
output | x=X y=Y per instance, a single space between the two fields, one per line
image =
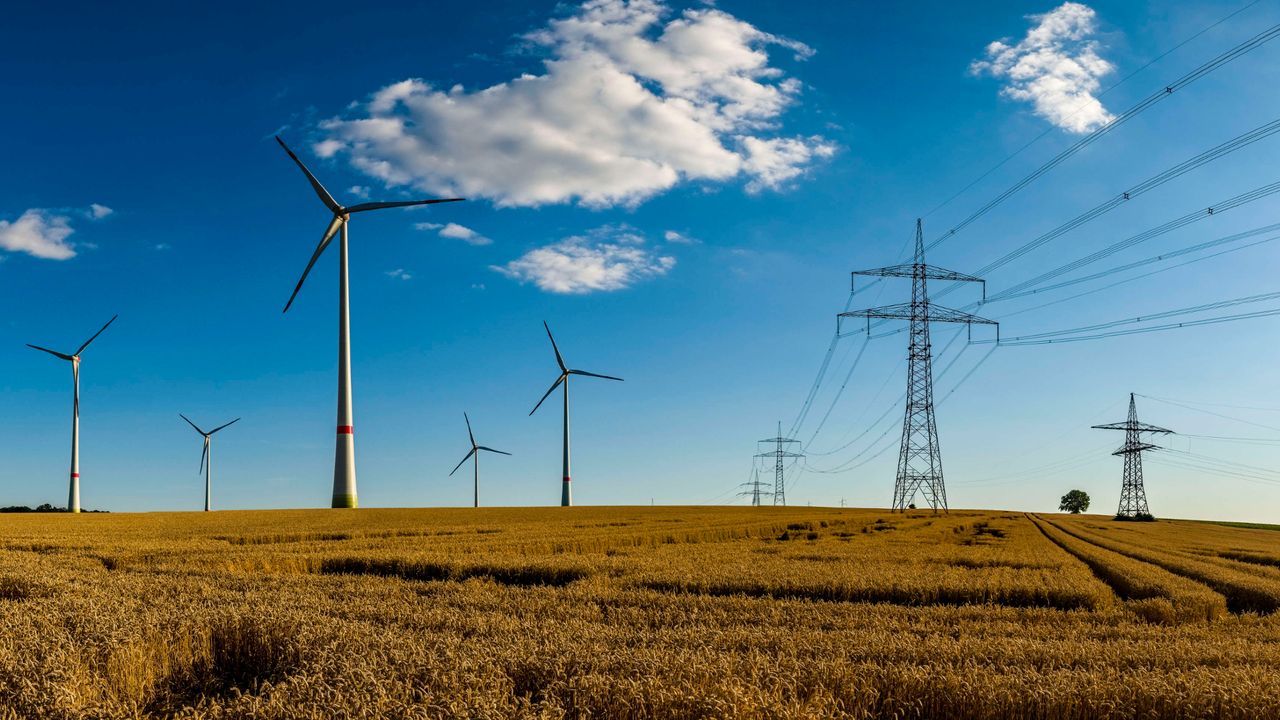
x=39 y=233
x=162 y=246
x=360 y=191
x=608 y=258
x=672 y=236
x=1056 y=67
x=629 y=104
x=454 y=231
x=97 y=212
x=465 y=234
x=400 y=274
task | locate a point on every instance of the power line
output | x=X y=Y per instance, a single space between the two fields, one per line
x=1182 y=168
x=1139 y=331
x=1130 y=266
x=1210 y=412
x=1189 y=218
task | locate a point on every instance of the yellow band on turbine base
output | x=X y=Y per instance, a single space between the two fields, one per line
x=345 y=501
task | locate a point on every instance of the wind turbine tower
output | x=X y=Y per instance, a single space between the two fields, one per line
x=344 y=461
x=1133 y=496
x=474 y=453
x=73 y=495
x=206 y=458
x=566 y=493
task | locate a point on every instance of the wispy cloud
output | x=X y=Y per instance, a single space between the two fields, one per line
x=360 y=191
x=1056 y=67
x=97 y=212
x=454 y=231
x=631 y=102
x=400 y=274
x=465 y=234
x=606 y=259
x=678 y=238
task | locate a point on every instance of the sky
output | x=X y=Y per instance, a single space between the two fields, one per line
x=681 y=192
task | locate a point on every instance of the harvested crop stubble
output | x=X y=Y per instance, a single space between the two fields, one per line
x=418 y=613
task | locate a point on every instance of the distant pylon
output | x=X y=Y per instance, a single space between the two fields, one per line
x=919 y=459
x=754 y=487
x=779 y=453
x=1133 y=496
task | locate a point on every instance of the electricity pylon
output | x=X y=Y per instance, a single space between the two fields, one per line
x=920 y=459
x=1133 y=497
x=753 y=487
x=779 y=453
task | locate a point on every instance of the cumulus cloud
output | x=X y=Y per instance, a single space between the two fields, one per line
x=400 y=274
x=630 y=102
x=1056 y=68
x=360 y=191
x=609 y=258
x=39 y=233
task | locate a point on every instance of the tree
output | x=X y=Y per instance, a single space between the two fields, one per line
x=1074 y=502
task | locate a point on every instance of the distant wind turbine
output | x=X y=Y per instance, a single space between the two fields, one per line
x=206 y=458
x=566 y=493
x=474 y=452
x=73 y=495
x=344 y=461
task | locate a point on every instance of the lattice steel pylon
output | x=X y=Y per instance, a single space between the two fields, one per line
x=754 y=487
x=1133 y=496
x=779 y=454
x=919 y=459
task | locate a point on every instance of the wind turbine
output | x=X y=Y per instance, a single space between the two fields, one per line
x=475 y=451
x=566 y=494
x=206 y=457
x=73 y=495
x=344 y=461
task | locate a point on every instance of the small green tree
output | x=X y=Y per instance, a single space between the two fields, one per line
x=1074 y=502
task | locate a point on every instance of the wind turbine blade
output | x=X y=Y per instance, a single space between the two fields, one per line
x=324 y=243
x=324 y=195
x=203 y=455
x=554 y=385
x=559 y=360
x=197 y=427
x=55 y=353
x=362 y=207
x=469 y=434
x=500 y=452
x=233 y=422
x=595 y=375
x=470 y=452
x=95 y=335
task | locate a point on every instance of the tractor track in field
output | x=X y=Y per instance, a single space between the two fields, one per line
x=1243 y=593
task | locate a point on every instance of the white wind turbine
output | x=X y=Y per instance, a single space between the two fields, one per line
x=206 y=458
x=566 y=494
x=344 y=461
x=73 y=495
x=474 y=452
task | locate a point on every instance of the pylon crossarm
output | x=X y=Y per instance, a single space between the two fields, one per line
x=931 y=272
x=1138 y=426
x=1136 y=447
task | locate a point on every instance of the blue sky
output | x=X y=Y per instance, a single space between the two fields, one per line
x=679 y=190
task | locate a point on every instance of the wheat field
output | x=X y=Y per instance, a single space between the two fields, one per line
x=635 y=613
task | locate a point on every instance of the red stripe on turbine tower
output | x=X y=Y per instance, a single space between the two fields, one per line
x=346 y=430
x=75 y=474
